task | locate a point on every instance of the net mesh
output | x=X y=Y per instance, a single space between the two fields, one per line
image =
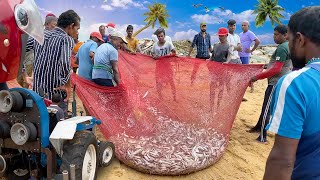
x=169 y=116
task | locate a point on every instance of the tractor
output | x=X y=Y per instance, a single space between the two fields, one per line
x=34 y=144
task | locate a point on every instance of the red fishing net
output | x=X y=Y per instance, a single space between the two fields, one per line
x=169 y=116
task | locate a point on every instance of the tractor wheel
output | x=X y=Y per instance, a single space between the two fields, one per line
x=82 y=152
x=105 y=153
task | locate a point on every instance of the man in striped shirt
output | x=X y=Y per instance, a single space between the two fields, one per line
x=296 y=105
x=52 y=59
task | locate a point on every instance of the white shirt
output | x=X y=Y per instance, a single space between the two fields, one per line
x=233 y=41
x=155 y=38
x=162 y=50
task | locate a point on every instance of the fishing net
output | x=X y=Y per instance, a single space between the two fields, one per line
x=169 y=116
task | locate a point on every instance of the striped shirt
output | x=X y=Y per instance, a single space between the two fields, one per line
x=51 y=60
x=203 y=45
x=295 y=114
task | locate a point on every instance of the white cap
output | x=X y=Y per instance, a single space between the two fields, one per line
x=120 y=35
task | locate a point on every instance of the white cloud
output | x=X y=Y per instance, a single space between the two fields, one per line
x=106 y=7
x=146 y=2
x=184 y=35
x=123 y=4
x=93 y=6
x=44 y=10
x=218 y=16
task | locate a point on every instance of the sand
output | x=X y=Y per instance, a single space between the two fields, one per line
x=244 y=158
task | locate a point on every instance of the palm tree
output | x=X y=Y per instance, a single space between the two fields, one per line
x=156 y=12
x=268 y=8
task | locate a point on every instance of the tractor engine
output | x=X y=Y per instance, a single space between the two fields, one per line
x=24 y=131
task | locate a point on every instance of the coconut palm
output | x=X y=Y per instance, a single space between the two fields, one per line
x=268 y=8
x=157 y=12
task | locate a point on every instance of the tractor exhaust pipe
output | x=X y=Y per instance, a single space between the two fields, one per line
x=65 y=175
x=3 y=164
x=72 y=172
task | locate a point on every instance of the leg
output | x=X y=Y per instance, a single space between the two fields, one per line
x=267 y=99
x=244 y=60
x=266 y=118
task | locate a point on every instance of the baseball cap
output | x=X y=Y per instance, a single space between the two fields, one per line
x=111 y=24
x=50 y=14
x=223 y=31
x=120 y=35
x=97 y=35
x=203 y=24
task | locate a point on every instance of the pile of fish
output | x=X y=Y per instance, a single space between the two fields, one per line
x=176 y=148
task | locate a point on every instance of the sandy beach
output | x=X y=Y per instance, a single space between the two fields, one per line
x=244 y=158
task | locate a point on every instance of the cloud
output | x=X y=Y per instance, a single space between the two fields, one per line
x=218 y=16
x=106 y=7
x=122 y=4
x=45 y=11
x=184 y=35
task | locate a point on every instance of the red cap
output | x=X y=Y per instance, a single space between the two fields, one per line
x=223 y=31
x=111 y=24
x=50 y=14
x=97 y=35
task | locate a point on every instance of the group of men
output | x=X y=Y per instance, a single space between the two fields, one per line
x=292 y=100
x=232 y=48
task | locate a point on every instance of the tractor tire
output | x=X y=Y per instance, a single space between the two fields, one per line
x=82 y=152
x=105 y=153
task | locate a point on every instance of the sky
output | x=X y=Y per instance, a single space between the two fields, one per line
x=184 y=20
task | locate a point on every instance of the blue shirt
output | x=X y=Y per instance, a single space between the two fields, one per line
x=103 y=57
x=85 y=62
x=296 y=114
x=105 y=38
x=203 y=45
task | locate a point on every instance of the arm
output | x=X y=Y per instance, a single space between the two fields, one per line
x=275 y=69
x=93 y=49
x=192 y=45
x=288 y=120
x=115 y=71
x=30 y=44
x=65 y=60
x=281 y=160
x=238 y=47
x=153 y=51
x=138 y=47
x=210 y=49
x=256 y=44
x=173 y=49
x=282 y=55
